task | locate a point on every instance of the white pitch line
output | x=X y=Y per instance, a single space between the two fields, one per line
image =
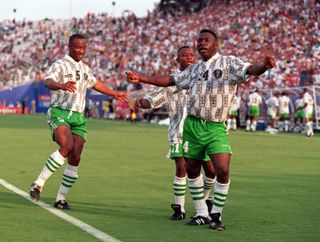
x=80 y=224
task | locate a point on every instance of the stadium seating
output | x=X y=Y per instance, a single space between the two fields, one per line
x=289 y=30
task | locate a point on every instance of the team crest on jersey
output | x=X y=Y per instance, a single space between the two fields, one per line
x=217 y=73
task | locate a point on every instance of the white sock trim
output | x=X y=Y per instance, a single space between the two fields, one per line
x=58 y=157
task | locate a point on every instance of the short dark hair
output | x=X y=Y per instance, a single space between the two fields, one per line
x=76 y=36
x=182 y=47
x=209 y=31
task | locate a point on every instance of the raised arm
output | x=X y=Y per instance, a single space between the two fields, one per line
x=100 y=87
x=160 y=81
x=259 y=68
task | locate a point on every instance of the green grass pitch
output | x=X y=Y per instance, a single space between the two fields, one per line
x=125 y=186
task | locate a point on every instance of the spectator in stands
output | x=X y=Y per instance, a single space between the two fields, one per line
x=287 y=29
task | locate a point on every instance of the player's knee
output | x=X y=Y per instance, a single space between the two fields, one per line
x=210 y=173
x=223 y=175
x=66 y=149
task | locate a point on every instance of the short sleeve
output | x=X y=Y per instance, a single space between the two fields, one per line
x=91 y=79
x=183 y=79
x=237 y=69
x=157 y=97
x=55 y=72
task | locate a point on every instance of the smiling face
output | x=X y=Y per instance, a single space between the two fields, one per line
x=185 y=57
x=207 y=45
x=77 y=48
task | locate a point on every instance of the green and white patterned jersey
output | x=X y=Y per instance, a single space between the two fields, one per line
x=67 y=69
x=211 y=86
x=176 y=102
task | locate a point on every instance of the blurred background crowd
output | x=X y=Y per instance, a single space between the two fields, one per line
x=288 y=30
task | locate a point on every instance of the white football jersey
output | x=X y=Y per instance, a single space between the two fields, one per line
x=284 y=102
x=235 y=104
x=254 y=100
x=298 y=103
x=272 y=104
x=307 y=99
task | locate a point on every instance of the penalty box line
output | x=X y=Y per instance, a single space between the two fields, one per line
x=76 y=222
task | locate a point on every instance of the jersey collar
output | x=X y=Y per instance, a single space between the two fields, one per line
x=213 y=58
x=69 y=58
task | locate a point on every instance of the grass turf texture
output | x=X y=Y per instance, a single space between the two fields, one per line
x=125 y=186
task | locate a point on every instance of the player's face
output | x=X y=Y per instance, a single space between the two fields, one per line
x=186 y=57
x=77 y=49
x=206 y=45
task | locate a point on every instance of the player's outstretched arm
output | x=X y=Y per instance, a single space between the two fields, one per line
x=51 y=84
x=160 y=81
x=100 y=87
x=259 y=68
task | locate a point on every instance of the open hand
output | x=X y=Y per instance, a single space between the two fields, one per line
x=69 y=86
x=269 y=62
x=132 y=77
x=122 y=96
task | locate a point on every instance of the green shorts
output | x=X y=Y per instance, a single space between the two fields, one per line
x=176 y=151
x=202 y=137
x=254 y=111
x=299 y=113
x=75 y=120
x=284 y=115
x=233 y=113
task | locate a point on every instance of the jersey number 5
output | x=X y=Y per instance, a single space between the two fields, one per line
x=78 y=75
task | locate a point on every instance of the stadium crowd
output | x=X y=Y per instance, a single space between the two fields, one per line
x=289 y=30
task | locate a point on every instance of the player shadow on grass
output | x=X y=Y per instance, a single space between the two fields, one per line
x=120 y=210
x=9 y=200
